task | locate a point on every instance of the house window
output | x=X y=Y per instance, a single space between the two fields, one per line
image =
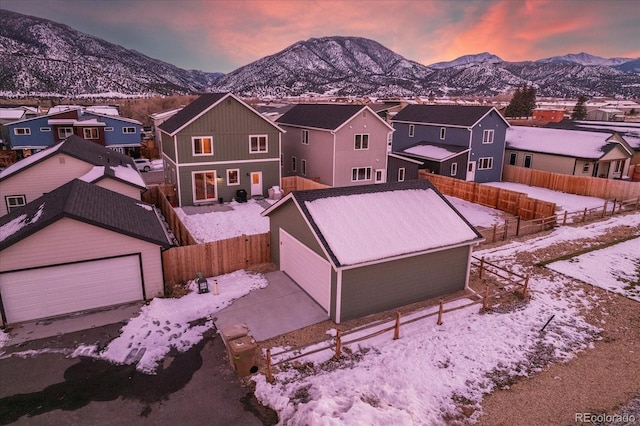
x=379 y=176
x=202 y=145
x=401 y=174
x=108 y=129
x=360 y=173
x=129 y=130
x=443 y=132
x=281 y=160
x=618 y=166
x=487 y=136
x=454 y=169
x=204 y=186
x=258 y=144
x=45 y=129
x=303 y=166
x=15 y=201
x=22 y=131
x=485 y=163
x=305 y=137
x=90 y=133
x=512 y=158
x=233 y=177
x=412 y=130
x=585 y=168
x=65 y=132
x=362 y=142
x=527 y=161
x=294 y=164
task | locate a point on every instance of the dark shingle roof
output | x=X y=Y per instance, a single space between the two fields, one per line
x=87 y=203
x=319 y=116
x=451 y=115
x=191 y=111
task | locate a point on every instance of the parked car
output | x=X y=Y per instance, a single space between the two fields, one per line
x=143 y=164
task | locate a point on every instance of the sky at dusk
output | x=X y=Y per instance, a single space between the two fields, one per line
x=223 y=35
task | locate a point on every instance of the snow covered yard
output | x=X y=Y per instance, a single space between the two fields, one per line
x=564 y=202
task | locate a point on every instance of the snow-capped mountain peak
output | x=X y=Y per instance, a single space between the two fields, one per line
x=479 y=58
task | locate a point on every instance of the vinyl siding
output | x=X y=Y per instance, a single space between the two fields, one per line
x=318 y=153
x=120 y=188
x=546 y=162
x=493 y=121
x=396 y=283
x=394 y=164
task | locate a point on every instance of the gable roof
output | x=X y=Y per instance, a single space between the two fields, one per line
x=401 y=219
x=566 y=143
x=197 y=108
x=76 y=147
x=86 y=203
x=320 y=116
x=445 y=115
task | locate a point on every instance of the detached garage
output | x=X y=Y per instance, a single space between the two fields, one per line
x=77 y=248
x=365 y=249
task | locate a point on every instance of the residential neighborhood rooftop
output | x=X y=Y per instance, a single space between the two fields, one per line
x=451 y=115
x=191 y=111
x=319 y=116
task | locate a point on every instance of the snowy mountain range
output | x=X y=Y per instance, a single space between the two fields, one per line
x=48 y=59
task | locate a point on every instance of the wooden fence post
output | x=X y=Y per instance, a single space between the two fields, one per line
x=338 y=345
x=506 y=229
x=604 y=209
x=613 y=211
x=485 y=299
x=518 y=227
x=525 y=289
x=396 y=331
x=495 y=231
x=269 y=373
x=481 y=267
x=440 y=313
x=564 y=220
x=584 y=215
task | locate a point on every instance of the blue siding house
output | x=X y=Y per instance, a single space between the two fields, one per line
x=34 y=134
x=465 y=142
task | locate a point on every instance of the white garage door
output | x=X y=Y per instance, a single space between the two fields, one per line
x=57 y=290
x=306 y=268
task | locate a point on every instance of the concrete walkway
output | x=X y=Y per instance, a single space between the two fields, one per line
x=279 y=308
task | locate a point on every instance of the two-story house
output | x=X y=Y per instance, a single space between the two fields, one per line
x=337 y=145
x=33 y=134
x=465 y=142
x=218 y=145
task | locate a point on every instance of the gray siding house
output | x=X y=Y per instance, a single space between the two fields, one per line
x=218 y=145
x=466 y=142
x=389 y=256
x=337 y=145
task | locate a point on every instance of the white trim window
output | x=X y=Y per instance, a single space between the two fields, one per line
x=294 y=164
x=528 y=159
x=305 y=137
x=22 y=131
x=412 y=130
x=513 y=158
x=108 y=129
x=258 y=144
x=585 y=168
x=379 y=176
x=443 y=132
x=202 y=145
x=360 y=174
x=129 y=130
x=64 y=132
x=15 y=201
x=233 y=177
x=487 y=136
x=485 y=163
x=90 y=133
x=361 y=141
x=303 y=167
x=401 y=174
x=45 y=129
x=204 y=186
x=454 y=169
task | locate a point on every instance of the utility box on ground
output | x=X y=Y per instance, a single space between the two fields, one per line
x=243 y=355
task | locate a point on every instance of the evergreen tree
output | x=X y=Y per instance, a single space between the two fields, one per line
x=515 y=106
x=580 y=110
x=530 y=101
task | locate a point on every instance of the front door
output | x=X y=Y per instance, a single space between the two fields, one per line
x=256 y=183
x=471 y=171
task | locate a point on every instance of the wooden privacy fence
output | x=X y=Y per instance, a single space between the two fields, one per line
x=157 y=195
x=215 y=258
x=516 y=203
x=297 y=183
x=579 y=185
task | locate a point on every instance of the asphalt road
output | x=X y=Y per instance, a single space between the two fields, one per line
x=197 y=387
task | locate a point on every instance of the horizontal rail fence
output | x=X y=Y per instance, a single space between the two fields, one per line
x=158 y=195
x=515 y=203
x=381 y=327
x=297 y=183
x=580 y=185
x=181 y=264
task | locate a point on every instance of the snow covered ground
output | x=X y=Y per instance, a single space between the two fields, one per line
x=477 y=214
x=564 y=202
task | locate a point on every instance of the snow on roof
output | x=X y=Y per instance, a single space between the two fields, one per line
x=29 y=160
x=11 y=113
x=128 y=174
x=13 y=226
x=371 y=226
x=92 y=175
x=558 y=141
x=434 y=152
